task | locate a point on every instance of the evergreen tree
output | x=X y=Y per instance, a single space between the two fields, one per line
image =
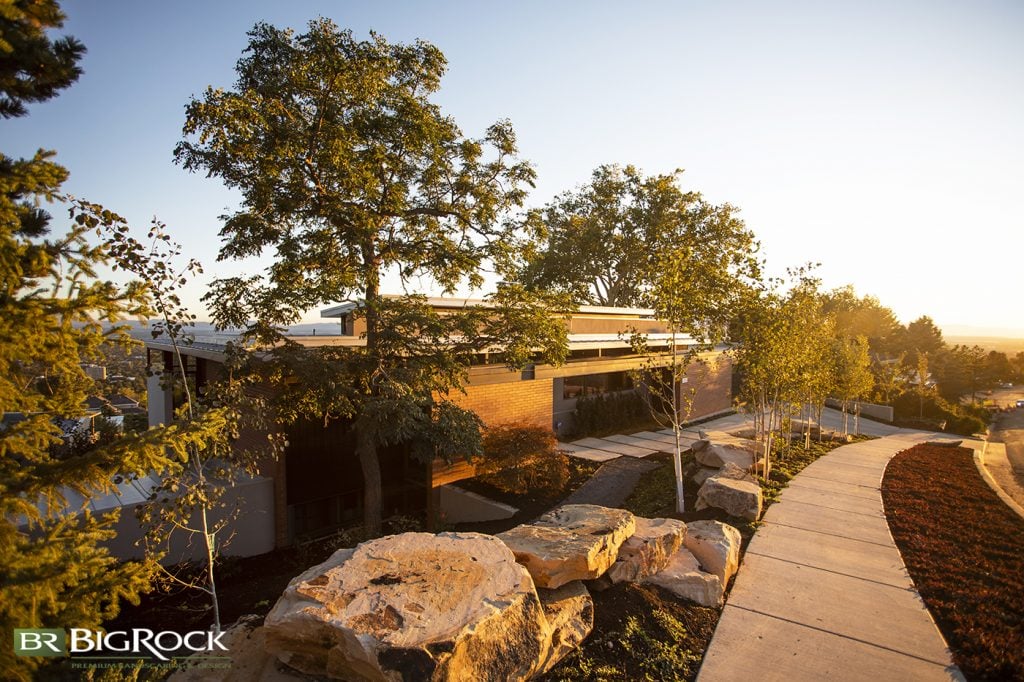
x=54 y=315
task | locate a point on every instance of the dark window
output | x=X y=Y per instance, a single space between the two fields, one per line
x=594 y=384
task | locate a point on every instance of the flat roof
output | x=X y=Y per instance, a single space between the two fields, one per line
x=213 y=348
x=343 y=309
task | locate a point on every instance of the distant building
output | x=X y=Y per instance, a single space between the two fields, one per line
x=95 y=372
x=317 y=483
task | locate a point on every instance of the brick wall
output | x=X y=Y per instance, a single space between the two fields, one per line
x=526 y=401
x=714 y=387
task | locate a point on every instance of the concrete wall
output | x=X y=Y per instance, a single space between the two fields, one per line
x=253 y=529
x=880 y=412
x=462 y=506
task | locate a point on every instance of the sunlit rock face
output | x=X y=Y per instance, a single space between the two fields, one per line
x=715 y=449
x=573 y=542
x=569 y=610
x=415 y=606
x=648 y=550
x=684 y=578
x=732 y=490
x=716 y=546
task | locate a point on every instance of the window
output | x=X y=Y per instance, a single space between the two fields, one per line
x=594 y=384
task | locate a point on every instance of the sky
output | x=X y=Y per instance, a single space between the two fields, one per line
x=883 y=140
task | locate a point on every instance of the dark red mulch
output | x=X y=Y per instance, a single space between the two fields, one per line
x=964 y=549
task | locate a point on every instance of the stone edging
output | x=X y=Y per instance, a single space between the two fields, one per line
x=979 y=462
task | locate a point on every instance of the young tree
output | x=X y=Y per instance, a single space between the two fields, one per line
x=348 y=172
x=600 y=243
x=780 y=353
x=852 y=375
x=190 y=497
x=694 y=282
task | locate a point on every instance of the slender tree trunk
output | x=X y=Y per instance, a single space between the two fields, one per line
x=211 y=551
x=366 y=433
x=856 y=418
x=366 y=449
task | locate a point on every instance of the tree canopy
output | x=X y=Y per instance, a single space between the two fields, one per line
x=348 y=172
x=601 y=243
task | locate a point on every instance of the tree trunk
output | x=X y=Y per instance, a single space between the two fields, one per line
x=366 y=434
x=211 y=553
x=677 y=462
x=366 y=449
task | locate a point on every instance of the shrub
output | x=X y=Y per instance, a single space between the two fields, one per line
x=939 y=413
x=521 y=457
x=610 y=411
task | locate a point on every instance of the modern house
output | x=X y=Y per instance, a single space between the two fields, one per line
x=317 y=483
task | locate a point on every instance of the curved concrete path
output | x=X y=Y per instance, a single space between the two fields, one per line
x=822 y=593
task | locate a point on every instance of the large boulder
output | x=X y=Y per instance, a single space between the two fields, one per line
x=684 y=578
x=717 y=453
x=733 y=491
x=569 y=610
x=573 y=542
x=716 y=546
x=413 y=606
x=648 y=550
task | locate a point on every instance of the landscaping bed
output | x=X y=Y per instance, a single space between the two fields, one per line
x=644 y=633
x=964 y=549
x=641 y=632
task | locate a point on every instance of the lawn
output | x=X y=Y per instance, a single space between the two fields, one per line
x=964 y=549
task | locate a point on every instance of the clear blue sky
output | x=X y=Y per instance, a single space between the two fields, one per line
x=883 y=139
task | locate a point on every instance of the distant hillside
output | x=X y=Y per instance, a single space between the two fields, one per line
x=1001 y=344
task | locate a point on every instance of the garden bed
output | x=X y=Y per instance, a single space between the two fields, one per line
x=964 y=549
x=644 y=633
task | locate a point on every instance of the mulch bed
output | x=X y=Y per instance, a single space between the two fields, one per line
x=964 y=549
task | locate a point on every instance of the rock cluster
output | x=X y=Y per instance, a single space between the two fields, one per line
x=732 y=490
x=461 y=606
x=724 y=473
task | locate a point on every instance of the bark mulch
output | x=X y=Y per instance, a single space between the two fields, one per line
x=964 y=550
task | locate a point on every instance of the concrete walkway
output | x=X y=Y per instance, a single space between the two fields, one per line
x=822 y=593
x=612 y=484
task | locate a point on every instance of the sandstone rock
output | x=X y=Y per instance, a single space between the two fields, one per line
x=733 y=472
x=245 y=642
x=716 y=454
x=684 y=578
x=738 y=497
x=648 y=550
x=413 y=606
x=573 y=542
x=570 y=614
x=716 y=546
x=702 y=474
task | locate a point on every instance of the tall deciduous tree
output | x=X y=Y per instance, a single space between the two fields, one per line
x=864 y=316
x=348 y=171
x=601 y=242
